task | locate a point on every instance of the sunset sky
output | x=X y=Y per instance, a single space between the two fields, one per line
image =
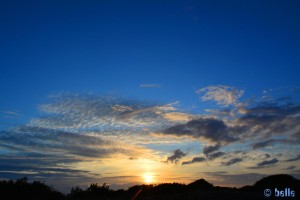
x=145 y=92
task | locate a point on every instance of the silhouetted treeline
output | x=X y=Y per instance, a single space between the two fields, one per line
x=22 y=189
x=200 y=189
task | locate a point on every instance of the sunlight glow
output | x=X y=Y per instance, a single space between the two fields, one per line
x=148 y=178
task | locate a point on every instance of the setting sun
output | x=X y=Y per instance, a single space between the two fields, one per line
x=148 y=178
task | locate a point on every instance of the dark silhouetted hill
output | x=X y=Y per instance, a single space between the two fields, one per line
x=279 y=181
x=200 y=184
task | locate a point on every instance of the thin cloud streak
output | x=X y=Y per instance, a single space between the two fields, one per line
x=150 y=85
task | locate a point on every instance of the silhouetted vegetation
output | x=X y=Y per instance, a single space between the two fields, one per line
x=200 y=189
x=22 y=189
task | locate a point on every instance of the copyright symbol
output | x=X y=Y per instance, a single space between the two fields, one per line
x=267 y=192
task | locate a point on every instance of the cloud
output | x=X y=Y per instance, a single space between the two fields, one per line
x=221 y=113
x=11 y=114
x=263 y=144
x=263 y=124
x=267 y=155
x=211 y=148
x=293 y=159
x=178 y=117
x=213 y=130
x=223 y=95
x=177 y=155
x=232 y=161
x=150 y=86
x=194 y=160
x=38 y=169
x=218 y=154
x=36 y=139
x=74 y=112
x=44 y=154
x=289 y=168
x=269 y=120
x=267 y=162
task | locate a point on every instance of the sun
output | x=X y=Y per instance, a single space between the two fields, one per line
x=148 y=178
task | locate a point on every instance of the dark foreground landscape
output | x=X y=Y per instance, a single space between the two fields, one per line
x=281 y=187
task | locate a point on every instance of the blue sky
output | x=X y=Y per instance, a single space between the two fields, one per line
x=174 y=60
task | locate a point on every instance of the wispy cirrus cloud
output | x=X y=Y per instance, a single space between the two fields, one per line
x=94 y=112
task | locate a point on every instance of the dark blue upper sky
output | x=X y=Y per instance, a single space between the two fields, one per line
x=113 y=47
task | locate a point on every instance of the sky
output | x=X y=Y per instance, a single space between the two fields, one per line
x=148 y=92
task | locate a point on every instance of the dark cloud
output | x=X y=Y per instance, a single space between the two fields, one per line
x=41 y=152
x=273 y=109
x=265 y=121
x=211 y=129
x=263 y=144
x=48 y=154
x=262 y=123
x=211 y=148
x=267 y=155
x=56 y=142
x=232 y=161
x=267 y=163
x=293 y=159
x=218 y=154
x=289 y=168
x=194 y=160
x=40 y=170
x=177 y=155
x=37 y=159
